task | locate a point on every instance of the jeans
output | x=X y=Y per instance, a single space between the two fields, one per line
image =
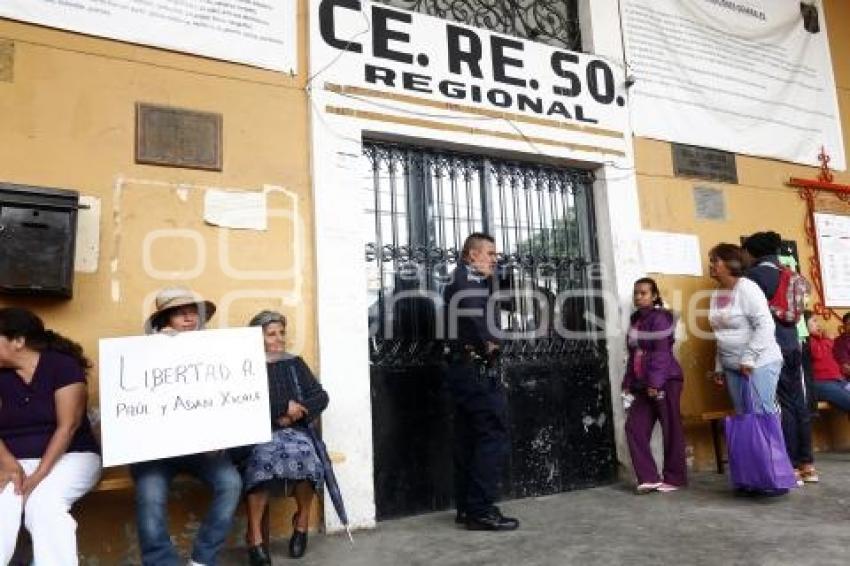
x=153 y=480
x=796 y=416
x=762 y=382
x=481 y=441
x=46 y=512
x=835 y=392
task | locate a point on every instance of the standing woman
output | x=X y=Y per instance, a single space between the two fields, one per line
x=49 y=457
x=289 y=459
x=654 y=378
x=747 y=352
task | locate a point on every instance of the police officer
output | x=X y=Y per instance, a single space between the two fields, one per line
x=472 y=376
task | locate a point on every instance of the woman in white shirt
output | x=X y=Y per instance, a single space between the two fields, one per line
x=743 y=326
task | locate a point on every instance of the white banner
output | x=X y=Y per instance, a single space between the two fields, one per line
x=163 y=396
x=374 y=62
x=746 y=76
x=671 y=253
x=258 y=33
x=833 y=233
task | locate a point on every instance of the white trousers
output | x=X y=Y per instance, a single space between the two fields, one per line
x=46 y=511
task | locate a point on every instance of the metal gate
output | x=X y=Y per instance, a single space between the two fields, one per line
x=422 y=204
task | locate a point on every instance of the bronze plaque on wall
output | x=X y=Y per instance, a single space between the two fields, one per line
x=704 y=163
x=177 y=137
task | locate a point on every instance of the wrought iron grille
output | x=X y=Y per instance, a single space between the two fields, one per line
x=423 y=203
x=554 y=22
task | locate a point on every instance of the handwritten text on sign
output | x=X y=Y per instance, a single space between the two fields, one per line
x=163 y=396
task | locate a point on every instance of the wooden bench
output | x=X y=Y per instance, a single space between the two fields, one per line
x=714 y=418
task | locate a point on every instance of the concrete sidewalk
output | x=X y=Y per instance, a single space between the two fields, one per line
x=705 y=524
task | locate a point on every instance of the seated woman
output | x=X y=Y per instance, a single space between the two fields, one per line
x=49 y=457
x=829 y=384
x=290 y=459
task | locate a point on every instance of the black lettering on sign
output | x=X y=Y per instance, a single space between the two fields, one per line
x=131 y=410
x=382 y=34
x=558 y=108
x=382 y=74
x=560 y=60
x=418 y=83
x=499 y=97
x=452 y=89
x=471 y=55
x=230 y=398
x=247 y=368
x=188 y=404
x=327 y=23
x=500 y=60
x=603 y=93
x=581 y=117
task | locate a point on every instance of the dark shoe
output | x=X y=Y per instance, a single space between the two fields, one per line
x=259 y=556
x=297 y=544
x=460 y=518
x=493 y=520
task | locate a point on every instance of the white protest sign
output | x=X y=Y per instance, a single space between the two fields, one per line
x=163 y=396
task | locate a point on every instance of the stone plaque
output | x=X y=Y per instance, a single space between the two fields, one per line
x=177 y=137
x=712 y=164
x=7 y=60
x=710 y=203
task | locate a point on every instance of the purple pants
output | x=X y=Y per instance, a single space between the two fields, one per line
x=643 y=415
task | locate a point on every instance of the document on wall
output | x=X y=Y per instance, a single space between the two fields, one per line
x=262 y=34
x=236 y=209
x=670 y=253
x=833 y=234
x=194 y=392
x=752 y=77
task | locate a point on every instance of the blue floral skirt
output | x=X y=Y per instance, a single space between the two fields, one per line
x=289 y=457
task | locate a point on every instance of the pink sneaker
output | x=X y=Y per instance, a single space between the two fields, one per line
x=667 y=488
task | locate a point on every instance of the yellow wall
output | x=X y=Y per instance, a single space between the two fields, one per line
x=760 y=201
x=67 y=120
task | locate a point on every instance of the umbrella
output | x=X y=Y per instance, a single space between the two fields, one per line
x=331 y=483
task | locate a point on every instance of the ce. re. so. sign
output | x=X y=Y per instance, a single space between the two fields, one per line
x=163 y=396
x=376 y=46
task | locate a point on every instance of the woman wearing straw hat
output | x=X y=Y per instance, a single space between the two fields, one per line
x=180 y=310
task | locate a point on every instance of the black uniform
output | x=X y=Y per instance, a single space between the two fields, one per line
x=472 y=376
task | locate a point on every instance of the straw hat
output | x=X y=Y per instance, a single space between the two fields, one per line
x=171 y=298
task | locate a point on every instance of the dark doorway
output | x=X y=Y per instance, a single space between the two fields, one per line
x=423 y=203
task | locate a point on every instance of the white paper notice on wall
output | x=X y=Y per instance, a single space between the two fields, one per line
x=262 y=34
x=163 y=396
x=670 y=253
x=236 y=209
x=833 y=233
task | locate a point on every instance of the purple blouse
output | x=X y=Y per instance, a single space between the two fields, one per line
x=28 y=411
x=650 y=342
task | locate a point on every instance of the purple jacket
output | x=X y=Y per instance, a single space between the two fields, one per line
x=650 y=343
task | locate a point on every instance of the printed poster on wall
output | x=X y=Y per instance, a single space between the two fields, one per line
x=257 y=33
x=747 y=76
x=164 y=396
x=833 y=234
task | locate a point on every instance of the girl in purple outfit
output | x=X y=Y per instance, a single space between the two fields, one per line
x=654 y=380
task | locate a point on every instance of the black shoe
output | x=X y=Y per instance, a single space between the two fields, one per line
x=493 y=520
x=297 y=544
x=259 y=556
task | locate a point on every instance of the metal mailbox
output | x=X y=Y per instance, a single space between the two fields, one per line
x=38 y=228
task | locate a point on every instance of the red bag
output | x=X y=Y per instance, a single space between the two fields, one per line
x=789 y=300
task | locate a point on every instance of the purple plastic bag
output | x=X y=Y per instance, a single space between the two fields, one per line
x=756 y=446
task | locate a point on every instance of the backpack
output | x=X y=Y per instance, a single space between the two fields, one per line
x=789 y=300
